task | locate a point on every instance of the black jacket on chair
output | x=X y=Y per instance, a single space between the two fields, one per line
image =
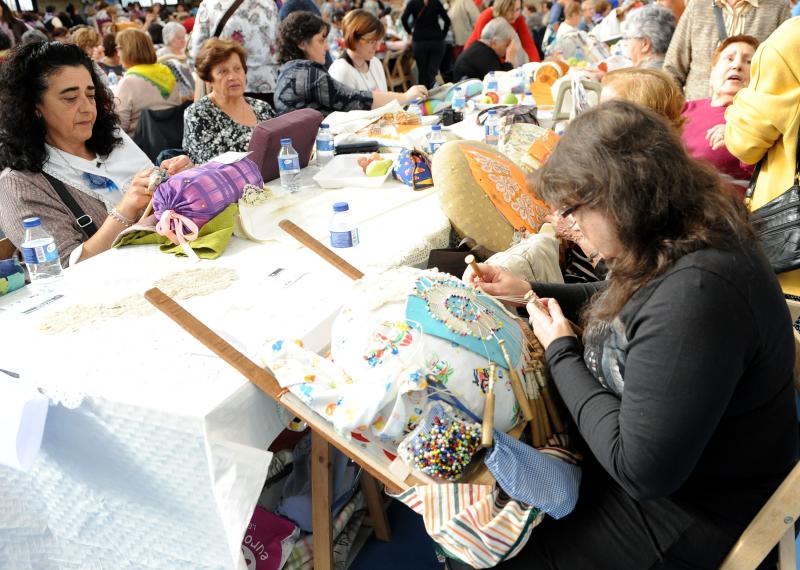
x=160 y=130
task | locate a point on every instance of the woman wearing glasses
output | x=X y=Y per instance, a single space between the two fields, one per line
x=681 y=384
x=358 y=67
x=303 y=80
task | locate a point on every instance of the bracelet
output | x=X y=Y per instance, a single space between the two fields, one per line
x=115 y=214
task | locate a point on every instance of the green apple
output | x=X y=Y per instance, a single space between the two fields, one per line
x=486 y=100
x=510 y=99
x=379 y=167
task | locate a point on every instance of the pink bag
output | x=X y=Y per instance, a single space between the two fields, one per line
x=268 y=541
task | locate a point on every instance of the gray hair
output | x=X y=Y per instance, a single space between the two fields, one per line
x=171 y=29
x=497 y=29
x=654 y=23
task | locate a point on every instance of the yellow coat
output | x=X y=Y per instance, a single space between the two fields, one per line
x=765 y=117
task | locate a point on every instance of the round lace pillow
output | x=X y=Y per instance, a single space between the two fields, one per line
x=484 y=194
x=408 y=336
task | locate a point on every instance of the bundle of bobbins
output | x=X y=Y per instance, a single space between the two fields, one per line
x=537 y=403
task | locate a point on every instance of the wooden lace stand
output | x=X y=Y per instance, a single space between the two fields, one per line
x=322 y=433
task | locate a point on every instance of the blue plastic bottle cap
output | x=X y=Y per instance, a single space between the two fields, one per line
x=286 y=141
x=492 y=111
x=436 y=127
x=325 y=126
x=341 y=207
x=31 y=222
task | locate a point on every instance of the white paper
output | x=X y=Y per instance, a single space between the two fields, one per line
x=229 y=157
x=23 y=410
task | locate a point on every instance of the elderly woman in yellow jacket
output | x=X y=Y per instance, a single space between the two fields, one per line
x=764 y=120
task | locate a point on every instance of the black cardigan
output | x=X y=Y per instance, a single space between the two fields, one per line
x=707 y=416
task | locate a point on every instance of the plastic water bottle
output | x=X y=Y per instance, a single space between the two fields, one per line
x=491 y=128
x=289 y=167
x=459 y=102
x=344 y=232
x=112 y=79
x=324 y=145
x=415 y=111
x=491 y=83
x=40 y=254
x=459 y=99
x=435 y=138
x=528 y=98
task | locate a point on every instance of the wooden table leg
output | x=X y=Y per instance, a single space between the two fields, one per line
x=380 y=523
x=321 y=497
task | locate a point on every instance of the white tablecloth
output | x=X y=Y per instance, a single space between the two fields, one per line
x=162 y=463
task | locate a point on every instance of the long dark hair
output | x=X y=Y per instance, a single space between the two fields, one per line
x=294 y=30
x=630 y=164
x=23 y=81
x=8 y=15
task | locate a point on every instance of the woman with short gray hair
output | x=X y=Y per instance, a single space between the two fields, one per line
x=647 y=32
x=174 y=56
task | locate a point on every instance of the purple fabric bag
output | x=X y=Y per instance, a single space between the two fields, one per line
x=202 y=192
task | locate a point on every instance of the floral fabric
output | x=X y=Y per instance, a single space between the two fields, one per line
x=254 y=24
x=208 y=131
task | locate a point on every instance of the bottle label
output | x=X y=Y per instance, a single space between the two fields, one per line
x=491 y=134
x=289 y=163
x=344 y=239
x=40 y=254
x=324 y=145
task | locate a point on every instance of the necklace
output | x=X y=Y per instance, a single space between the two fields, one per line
x=97 y=161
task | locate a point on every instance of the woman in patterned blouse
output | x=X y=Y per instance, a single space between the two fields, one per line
x=303 y=80
x=224 y=119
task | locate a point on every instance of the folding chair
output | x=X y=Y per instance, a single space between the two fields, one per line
x=396 y=75
x=7 y=249
x=775 y=522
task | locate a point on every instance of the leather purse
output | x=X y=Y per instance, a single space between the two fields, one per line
x=777 y=223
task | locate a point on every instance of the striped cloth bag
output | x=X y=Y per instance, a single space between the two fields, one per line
x=473 y=523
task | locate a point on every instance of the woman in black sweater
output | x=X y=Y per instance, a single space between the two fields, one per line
x=421 y=19
x=682 y=385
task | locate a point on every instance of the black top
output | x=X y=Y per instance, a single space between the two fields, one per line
x=476 y=61
x=706 y=413
x=425 y=18
x=304 y=83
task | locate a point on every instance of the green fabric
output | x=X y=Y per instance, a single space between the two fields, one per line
x=210 y=243
x=157 y=74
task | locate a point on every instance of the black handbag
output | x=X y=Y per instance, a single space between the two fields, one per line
x=777 y=223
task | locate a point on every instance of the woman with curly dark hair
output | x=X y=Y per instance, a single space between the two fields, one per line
x=303 y=80
x=681 y=386
x=58 y=128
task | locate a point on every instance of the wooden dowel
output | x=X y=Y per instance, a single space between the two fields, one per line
x=265 y=381
x=516 y=384
x=316 y=246
x=470 y=260
x=552 y=410
x=487 y=429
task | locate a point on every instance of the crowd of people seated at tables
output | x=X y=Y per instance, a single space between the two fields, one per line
x=649 y=185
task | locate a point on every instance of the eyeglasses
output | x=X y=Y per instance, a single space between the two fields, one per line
x=567 y=214
x=369 y=42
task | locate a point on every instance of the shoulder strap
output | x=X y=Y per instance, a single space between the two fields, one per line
x=753 y=179
x=84 y=222
x=226 y=16
x=723 y=34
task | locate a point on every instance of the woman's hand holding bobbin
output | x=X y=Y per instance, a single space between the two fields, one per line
x=548 y=321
